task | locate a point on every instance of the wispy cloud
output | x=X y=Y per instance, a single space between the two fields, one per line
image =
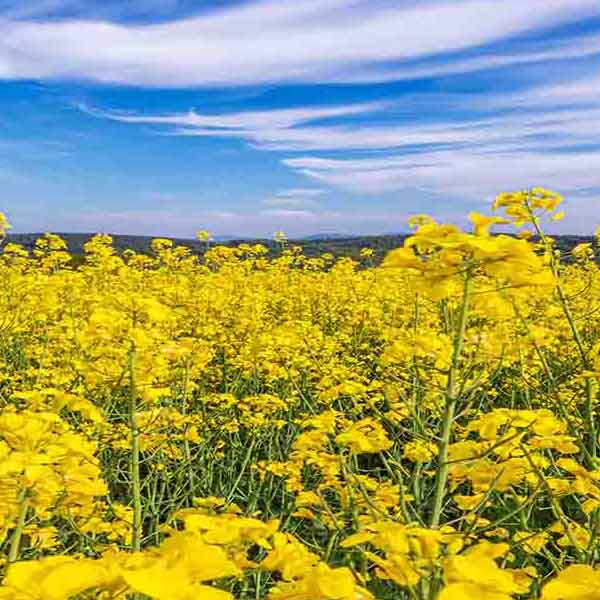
x=289 y=213
x=458 y=173
x=272 y=41
x=296 y=199
x=564 y=114
x=300 y=193
x=580 y=93
x=241 y=124
x=261 y=222
x=545 y=134
x=578 y=47
x=160 y=221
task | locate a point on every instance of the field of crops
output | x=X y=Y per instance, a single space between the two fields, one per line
x=301 y=428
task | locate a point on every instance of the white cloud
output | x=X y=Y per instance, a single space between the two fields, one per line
x=121 y=220
x=465 y=176
x=464 y=173
x=287 y=213
x=547 y=135
x=291 y=129
x=261 y=222
x=300 y=193
x=582 y=92
x=536 y=138
x=290 y=203
x=294 y=199
x=571 y=48
x=270 y=40
x=242 y=123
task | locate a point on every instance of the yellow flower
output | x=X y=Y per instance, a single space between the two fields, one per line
x=203 y=236
x=475 y=574
x=577 y=582
x=419 y=451
x=469 y=502
x=57 y=577
x=482 y=223
x=4 y=225
x=365 y=436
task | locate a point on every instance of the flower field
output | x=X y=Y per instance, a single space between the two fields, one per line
x=292 y=428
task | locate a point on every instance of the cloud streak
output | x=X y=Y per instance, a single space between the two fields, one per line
x=271 y=41
x=260 y=223
x=564 y=114
x=296 y=199
x=456 y=173
x=546 y=134
x=241 y=123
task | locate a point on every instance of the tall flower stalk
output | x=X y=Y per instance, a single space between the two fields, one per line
x=451 y=400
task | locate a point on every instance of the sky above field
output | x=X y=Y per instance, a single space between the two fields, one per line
x=163 y=117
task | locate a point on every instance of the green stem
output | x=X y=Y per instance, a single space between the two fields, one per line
x=564 y=301
x=450 y=406
x=186 y=443
x=555 y=506
x=247 y=458
x=15 y=540
x=136 y=487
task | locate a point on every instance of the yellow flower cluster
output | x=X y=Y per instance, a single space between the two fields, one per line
x=248 y=425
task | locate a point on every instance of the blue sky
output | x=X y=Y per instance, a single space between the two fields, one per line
x=163 y=117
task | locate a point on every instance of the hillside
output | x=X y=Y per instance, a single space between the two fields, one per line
x=339 y=246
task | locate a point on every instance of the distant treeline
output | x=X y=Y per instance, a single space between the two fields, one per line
x=337 y=246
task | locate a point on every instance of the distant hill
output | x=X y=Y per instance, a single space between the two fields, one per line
x=324 y=236
x=337 y=244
